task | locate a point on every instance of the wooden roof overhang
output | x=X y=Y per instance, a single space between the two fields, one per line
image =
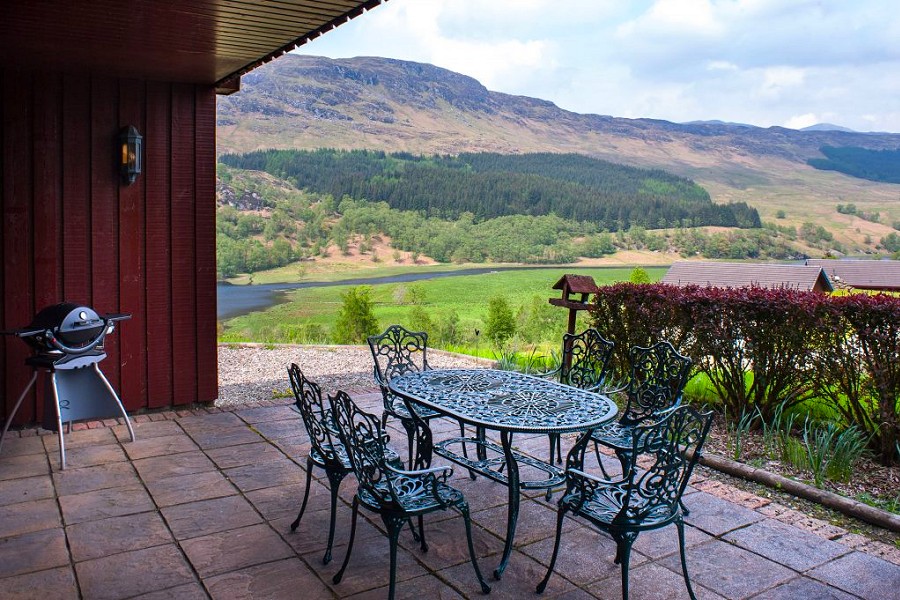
x=188 y=41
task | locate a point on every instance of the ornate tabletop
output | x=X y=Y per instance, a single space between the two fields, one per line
x=506 y=400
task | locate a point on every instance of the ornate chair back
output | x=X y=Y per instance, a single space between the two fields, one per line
x=397 y=351
x=658 y=376
x=669 y=449
x=317 y=417
x=585 y=359
x=366 y=443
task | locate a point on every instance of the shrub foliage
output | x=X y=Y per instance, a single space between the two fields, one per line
x=767 y=350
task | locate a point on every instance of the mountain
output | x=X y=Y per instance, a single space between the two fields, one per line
x=311 y=102
x=827 y=127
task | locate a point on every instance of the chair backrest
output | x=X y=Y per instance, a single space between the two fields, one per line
x=585 y=359
x=317 y=416
x=366 y=445
x=667 y=452
x=658 y=376
x=398 y=351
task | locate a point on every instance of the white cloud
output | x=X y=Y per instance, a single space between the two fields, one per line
x=801 y=121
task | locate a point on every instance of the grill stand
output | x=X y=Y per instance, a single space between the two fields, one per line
x=78 y=390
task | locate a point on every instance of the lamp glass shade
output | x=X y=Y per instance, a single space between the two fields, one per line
x=131 y=147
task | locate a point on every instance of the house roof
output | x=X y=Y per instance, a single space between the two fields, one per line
x=734 y=275
x=862 y=274
x=190 y=41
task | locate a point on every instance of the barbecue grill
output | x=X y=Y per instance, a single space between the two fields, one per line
x=67 y=343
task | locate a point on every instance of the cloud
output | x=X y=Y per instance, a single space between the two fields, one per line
x=801 y=121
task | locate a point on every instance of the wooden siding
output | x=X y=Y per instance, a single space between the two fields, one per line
x=72 y=232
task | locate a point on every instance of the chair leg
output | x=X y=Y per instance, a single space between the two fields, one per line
x=334 y=482
x=559 y=521
x=309 y=468
x=623 y=556
x=394 y=525
x=555 y=448
x=464 y=510
x=340 y=574
x=422 y=533
x=600 y=460
x=684 y=569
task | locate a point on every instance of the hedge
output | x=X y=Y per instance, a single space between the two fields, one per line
x=764 y=348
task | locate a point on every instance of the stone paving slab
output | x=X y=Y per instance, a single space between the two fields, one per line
x=200 y=506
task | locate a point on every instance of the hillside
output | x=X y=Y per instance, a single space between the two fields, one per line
x=490 y=185
x=311 y=102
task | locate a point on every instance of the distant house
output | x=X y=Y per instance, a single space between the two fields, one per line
x=879 y=275
x=737 y=275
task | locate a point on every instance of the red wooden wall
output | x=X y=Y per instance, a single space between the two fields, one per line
x=70 y=231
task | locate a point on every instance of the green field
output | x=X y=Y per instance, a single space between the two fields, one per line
x=309 y=315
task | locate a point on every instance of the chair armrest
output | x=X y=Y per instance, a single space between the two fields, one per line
x=593 y=478
x=548 y=374
x=443 y=470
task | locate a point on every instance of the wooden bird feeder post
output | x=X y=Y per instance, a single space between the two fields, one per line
x=570 y=285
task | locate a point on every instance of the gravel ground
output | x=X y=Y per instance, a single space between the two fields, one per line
x=250 y=373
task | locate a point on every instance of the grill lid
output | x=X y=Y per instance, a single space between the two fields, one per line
x=67 y=328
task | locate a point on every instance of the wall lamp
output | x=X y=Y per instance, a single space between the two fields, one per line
x=130 y=152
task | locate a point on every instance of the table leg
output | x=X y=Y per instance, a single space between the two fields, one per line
x=512 y=475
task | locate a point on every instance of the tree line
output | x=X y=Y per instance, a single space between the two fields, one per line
x=488 y=185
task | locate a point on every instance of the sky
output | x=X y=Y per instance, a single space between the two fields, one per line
x=791 y=63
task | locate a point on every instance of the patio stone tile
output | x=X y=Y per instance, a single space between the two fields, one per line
x=861 y=574
x=283 y=501
x=296 y=446
x=16 y=519
x=81 y=439
x=245 y=454
x=33 y=551
x=658 y=543
x=190 y=591
x=209 y=516
x=95 y=539
x=536 y=522
x=235 y=549
x=190 y=488
x=109 y=502
x=159 y=446
x=280 y=429
x=289 y=578
x=728 y=570
x=311 y=536
x=91 y=456
x=482 y=493
x=53 y=583
x=650 y=582
x=786 y=544
x=88 y=479
x=162 y=467
x=127 y=574
x=427 y=586
x=717 y=516
x=26 y=465
x=369 y=566
x=263 y=414
x=25 y=490
x=213 y=422
x=447 y=544
x=146 y=431
x=803 y=588
x=585 y=555
x=20 y=446
x=519 y=580
x=274 y=473
x=224 y=438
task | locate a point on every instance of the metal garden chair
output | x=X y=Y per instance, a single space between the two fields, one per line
x=655 y=384
x=396 y=352
x=394 y=494
x=585 y=364
x=642 y=499
x=326 y=450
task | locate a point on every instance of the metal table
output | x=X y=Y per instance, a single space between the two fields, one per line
x=507 y=402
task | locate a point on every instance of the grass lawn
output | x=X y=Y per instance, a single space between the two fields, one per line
x=467 y=295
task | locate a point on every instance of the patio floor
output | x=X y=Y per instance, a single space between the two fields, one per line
x=200 y=506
